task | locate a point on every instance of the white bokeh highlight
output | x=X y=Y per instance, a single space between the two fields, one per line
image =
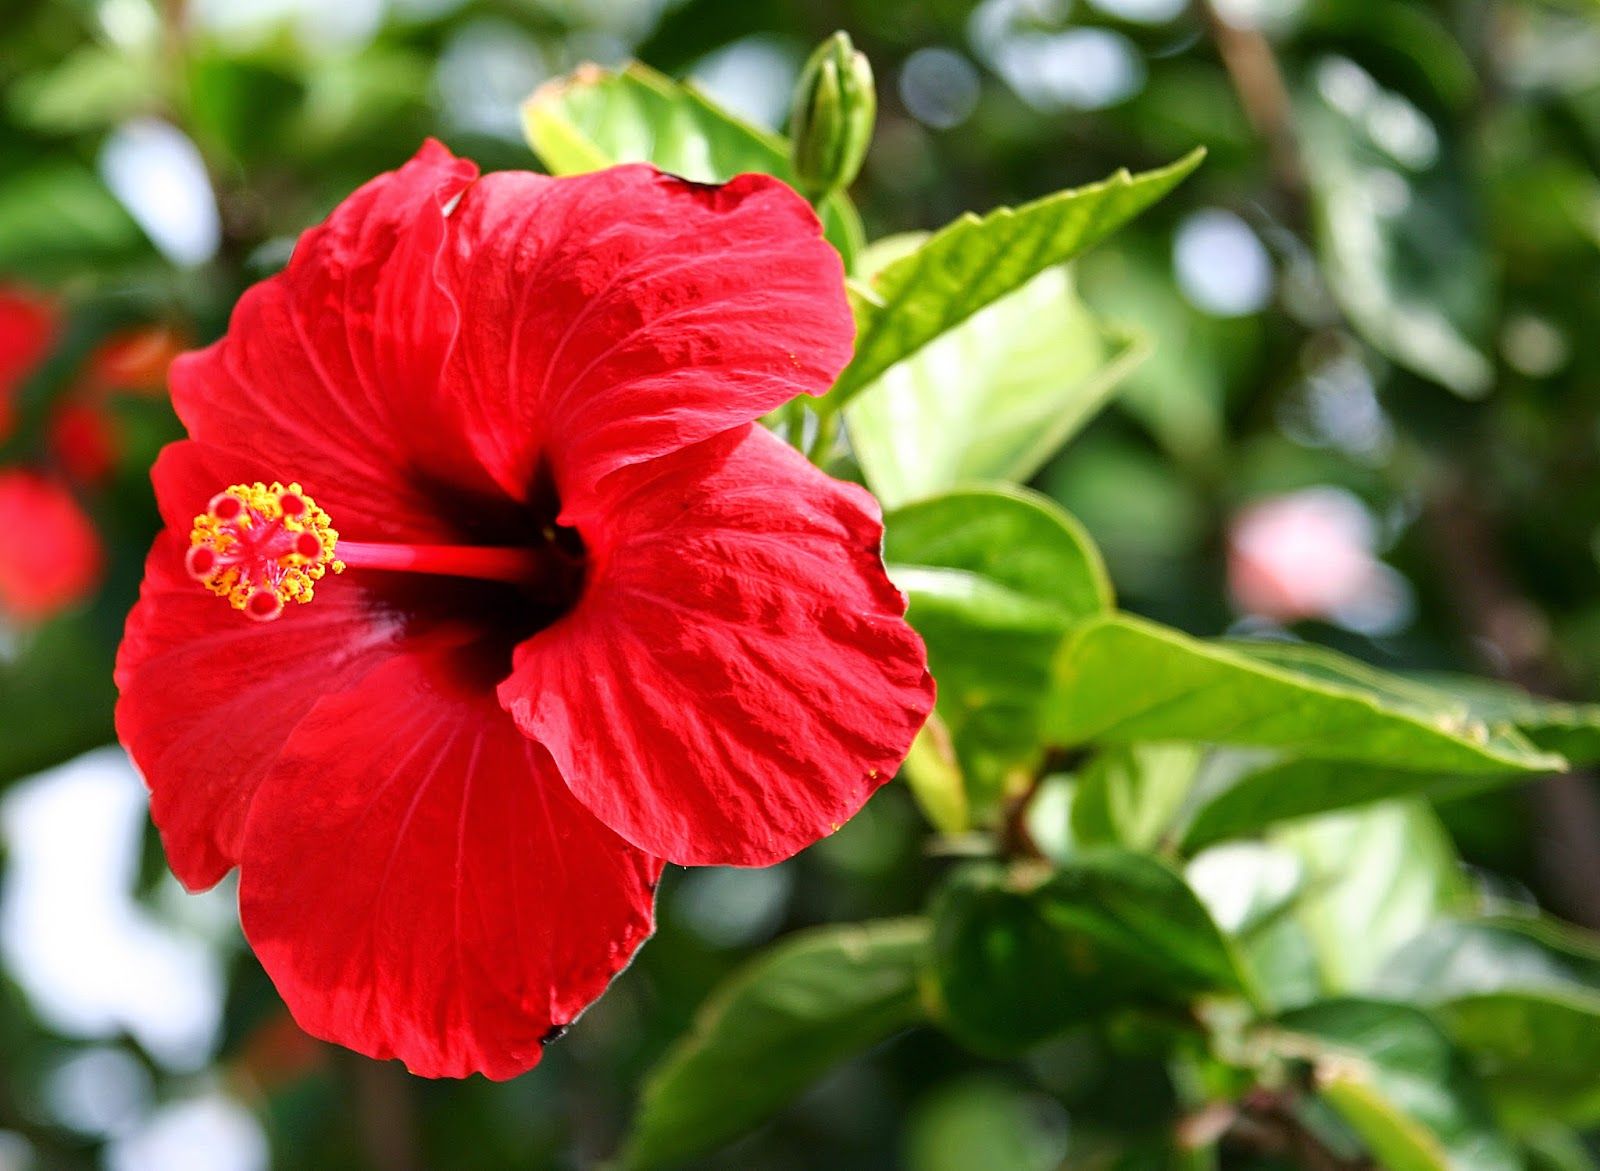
x=211 y=1132
x=157 y=174
x=1221 y=265
x=94 y=962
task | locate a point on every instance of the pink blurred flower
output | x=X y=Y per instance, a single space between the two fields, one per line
x=1310 y=554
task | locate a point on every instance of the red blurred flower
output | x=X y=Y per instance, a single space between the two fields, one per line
x=83 y=439
x=590 y=617
x=135 y=359
x=50 y=555
x=28 y=327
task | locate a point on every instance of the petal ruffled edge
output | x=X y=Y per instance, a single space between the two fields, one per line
x=467 y=907
x=738 y=678
x=618 y=316
x=329 y=371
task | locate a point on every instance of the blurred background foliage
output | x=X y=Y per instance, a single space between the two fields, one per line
x=1356 y=403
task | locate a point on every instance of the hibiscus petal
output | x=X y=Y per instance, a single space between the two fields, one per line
x=617 y=316
x=419 y=884
x=329 y=371
x=738 y=677
x=208 y=697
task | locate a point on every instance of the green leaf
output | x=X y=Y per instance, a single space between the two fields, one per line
x=56 y=694
x=1396 y=240
x=990 y=648
x=59 y=218
x=991 y=399
x=984 y=1121
x=1130 y=794
x=1554 y=1148
x=1017 y=959
x=995 y=577
x=1122 y=680
x=1246 y=800
x=1013 y=536
x=1246 y=885
x=1523 y=999
x=88 y=89
x=1572 y=729
x=934 y=775
x=1376 y=877
x=243 y=108
x=595 y=118
x=774 y=1027
x=974 y=262
x=1248 y=794
x=1396 y=1079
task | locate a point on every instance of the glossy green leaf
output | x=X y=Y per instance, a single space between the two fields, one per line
x=975 y=261
x=1130 y=794
x=1018 y=957
x=1013 y=536
x=1522 y=999
x=595 y=118
x=1375 y=879
x=1399 y=1083
x=991 y=399
x=1247 y=794
x=995 y=578
x=1251 y=796
x=1396 y=241
x=1572 y=729
x=772 y=1029
x=1122 y=680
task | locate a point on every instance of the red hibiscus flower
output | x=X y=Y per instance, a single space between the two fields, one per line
x=540 y=607
x=135 y=359
x=83 y=439
x=50 y=555
x=28 y=327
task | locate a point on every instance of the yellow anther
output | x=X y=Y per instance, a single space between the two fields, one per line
x=259 y=541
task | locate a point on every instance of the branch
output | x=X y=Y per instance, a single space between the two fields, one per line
x=1265 y=1123
x=385 y=1113
x=1512 y=639
x=1258 y=83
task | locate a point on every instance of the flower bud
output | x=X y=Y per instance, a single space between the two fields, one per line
x=834 y=109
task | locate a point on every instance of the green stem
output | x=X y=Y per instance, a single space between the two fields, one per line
x=822 y=444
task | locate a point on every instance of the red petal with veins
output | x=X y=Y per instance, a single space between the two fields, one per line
x=738 y=678
x=419 y=884
x=329 y=371
x=208 y=698
x=621 y=315
x=50 y=555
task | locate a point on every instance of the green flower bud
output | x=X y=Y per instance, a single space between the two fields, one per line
x=835 y=106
